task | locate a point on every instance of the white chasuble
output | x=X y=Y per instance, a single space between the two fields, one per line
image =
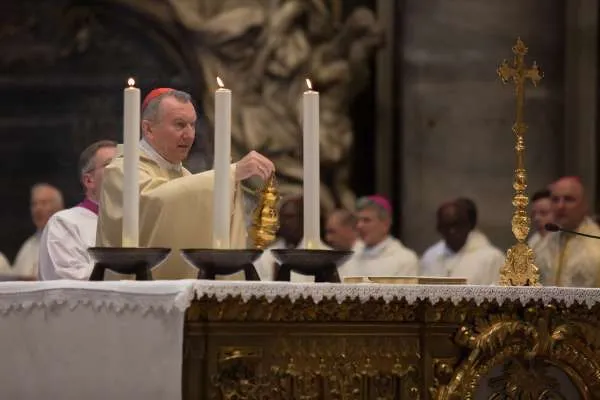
x=389 y=258
x=568 y=260
x=176 y=211
x=478 y=261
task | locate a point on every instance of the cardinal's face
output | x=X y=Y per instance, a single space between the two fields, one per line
x=172 y=134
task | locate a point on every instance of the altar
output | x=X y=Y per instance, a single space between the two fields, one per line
x=337 y=341
x=197 y=339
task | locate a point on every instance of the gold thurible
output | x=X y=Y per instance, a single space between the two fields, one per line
x=519 y=268
x=265 y=219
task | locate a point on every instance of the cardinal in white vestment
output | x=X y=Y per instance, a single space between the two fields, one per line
x=45 y=201
x=464 y=252
x=69 y=233
x=565 y=259
x=379 y=254
x=175 y=205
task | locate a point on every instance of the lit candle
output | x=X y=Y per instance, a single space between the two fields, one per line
x=131 y=190
x=311 y=165
x=222 y=159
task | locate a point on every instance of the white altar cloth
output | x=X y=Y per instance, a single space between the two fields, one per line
x=387 y=292
x=92 y=340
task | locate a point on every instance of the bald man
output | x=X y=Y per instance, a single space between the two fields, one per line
x=463 y=253
x=565 y=259
x=45 y=201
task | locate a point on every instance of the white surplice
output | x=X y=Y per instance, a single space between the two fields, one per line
x=568 y=260
x=388 y=258
x=265 y=264
x=26 y=262
x=64 y=243
x=478 y=261
x=5 y=267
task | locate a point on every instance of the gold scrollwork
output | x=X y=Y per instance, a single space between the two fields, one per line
x=282 y=309
x=540 y=333
x=321 y=368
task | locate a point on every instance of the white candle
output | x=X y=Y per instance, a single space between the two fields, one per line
x=222 y=159
x=131 y=189
x=311 y=166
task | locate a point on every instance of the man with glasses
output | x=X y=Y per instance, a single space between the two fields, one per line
x=69 y=233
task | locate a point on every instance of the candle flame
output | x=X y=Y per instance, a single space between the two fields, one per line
x=131 y=82
x=220 y=82
x=308 y=83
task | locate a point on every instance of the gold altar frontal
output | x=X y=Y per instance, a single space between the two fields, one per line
x=392 y=342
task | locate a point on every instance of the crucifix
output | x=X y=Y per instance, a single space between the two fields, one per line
x=519 y=268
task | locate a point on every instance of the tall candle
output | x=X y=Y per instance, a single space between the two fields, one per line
x=131 y=190
x=311 y=165
x=222 y=160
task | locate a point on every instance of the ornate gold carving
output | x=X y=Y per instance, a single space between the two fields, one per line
x=519 y=268
x=283 y=309
x=521 y=380
x=538 y=333
x=323 y=368
x=265 y=220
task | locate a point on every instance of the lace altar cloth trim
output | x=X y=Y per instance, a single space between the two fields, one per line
x=166 y=296
x=412 y=293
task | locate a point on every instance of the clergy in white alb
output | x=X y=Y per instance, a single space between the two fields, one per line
x=289 y=236
x=380 y=254
x=69 y=233
x=541 y=214
x=565 y=259
x=464 y=252
x=5 y=267
x=175 y=205
x=45 y=201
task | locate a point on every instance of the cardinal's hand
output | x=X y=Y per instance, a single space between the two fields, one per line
x=254 y=164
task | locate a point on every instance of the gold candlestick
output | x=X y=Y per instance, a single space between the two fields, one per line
x=519 y=268
x=265 y=220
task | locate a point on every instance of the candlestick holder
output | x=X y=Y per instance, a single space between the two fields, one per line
x=322 y=264
x=212 y=262
x=138 y=261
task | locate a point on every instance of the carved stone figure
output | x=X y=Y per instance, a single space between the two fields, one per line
x=264 y=51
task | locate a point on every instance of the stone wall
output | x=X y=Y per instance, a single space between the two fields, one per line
x=456 y=116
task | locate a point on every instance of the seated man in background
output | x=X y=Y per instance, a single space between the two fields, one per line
x=381 y=254
x=289 y=236
x=464 y=253
x=565 y=259
x=69 y=233
x=341 y=232
x=45 y=201
x=541 y=214
x=5 y=268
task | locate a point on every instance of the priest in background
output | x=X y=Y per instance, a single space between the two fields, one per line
x=289 y=236
x=565 y=259
x=69 y=233
x=341 y=232
x=463 y=253
x=382 y=254
x=541 y=214
x=176 y=207
x=5 y=268
x=45 y=201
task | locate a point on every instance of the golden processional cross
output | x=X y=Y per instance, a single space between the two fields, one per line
x=519 y=268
